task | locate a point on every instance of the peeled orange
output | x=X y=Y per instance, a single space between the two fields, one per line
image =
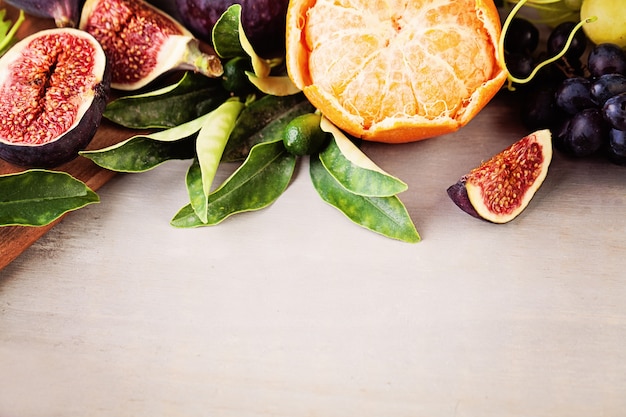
x=395 y=70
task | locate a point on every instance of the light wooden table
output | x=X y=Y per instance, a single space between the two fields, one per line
x=294 y=311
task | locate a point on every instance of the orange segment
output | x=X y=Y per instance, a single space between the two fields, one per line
x=395 y=70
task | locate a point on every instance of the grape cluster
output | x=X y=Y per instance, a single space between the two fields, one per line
x=581 y=97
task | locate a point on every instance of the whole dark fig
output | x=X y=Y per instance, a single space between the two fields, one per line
x=143 y=42
x=64 y=12
x=54 y=87
x=262 y=20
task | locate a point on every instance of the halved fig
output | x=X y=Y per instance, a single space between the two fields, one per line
x=143 y=42
x=64 y=12
x=54 y=87
x=500 y=189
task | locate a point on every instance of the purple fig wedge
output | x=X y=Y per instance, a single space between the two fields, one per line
x=500 y=189
x=142 y=42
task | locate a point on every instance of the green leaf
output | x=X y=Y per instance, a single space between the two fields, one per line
x=195 y=189
x=261 y=67
x=384 y=215
x=8 y=30
x=225 y=34
x=256 y=184
x=263 y=120
x=230 y=40
x=143 y=152
x=38 y=197
x=191 y=97
x=279 y=85
x=210 y=145
x=354 y=170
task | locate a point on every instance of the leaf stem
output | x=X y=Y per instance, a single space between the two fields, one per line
x=501 y=59
x=9 y=36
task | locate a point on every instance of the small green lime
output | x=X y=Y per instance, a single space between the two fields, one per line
x=303 y=135
x=234 y=78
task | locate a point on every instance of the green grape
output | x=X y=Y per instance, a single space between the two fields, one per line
x=573 y=4
x=550 y=12
x=555 y=13
x=609 y=26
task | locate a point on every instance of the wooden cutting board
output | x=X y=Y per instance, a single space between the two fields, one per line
x=15 y=239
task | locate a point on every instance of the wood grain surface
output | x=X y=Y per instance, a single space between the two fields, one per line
x=15 y=239
x=294 y=311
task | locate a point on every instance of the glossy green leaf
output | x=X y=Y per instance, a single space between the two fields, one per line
x=263 y=120
x=225 y=34
x=38 y=197
x=354 y=170
x=230 y=40
x=195 y=190
x=210 y=145
x=144 y=152
x=256 y=184
x=279 y=85
x=191 y=97
x=262 y=67
x=385 y=215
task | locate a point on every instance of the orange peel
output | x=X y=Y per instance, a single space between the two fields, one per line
x=395 y=71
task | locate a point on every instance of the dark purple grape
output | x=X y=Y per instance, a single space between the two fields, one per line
x=574 y=95
x=558 y=38
x=559 y=136
x=520 y=65
x=614 y=110
x=585 y=134
x=550 y=74
x=606 y=58
x=607 y=86
x=521 y=36
x=538 y=109
x=617 y=146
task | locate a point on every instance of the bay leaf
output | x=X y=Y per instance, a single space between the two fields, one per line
x=225 y=35
x=256 y=184
x=263 y=120
x=210 y=145
x=191 y=97
x=38 y=197
x=354 y=170
x=8 y=30
x=143 y=152
x=384 y=215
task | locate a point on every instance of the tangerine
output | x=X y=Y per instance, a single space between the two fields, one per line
x=398 y=70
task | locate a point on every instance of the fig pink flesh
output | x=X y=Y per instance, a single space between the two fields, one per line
x=131 y=35
x=46 y=88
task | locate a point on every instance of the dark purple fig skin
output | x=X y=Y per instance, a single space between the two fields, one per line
x=458 y=194
x=168 y=6
x=65 y=147
x=64 y=12
x=262 y=20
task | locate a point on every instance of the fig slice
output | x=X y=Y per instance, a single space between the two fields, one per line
x=54 y=85
x=143 y=42
x=500 y=189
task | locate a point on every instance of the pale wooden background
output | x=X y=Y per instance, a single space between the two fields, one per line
x=294 y=311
